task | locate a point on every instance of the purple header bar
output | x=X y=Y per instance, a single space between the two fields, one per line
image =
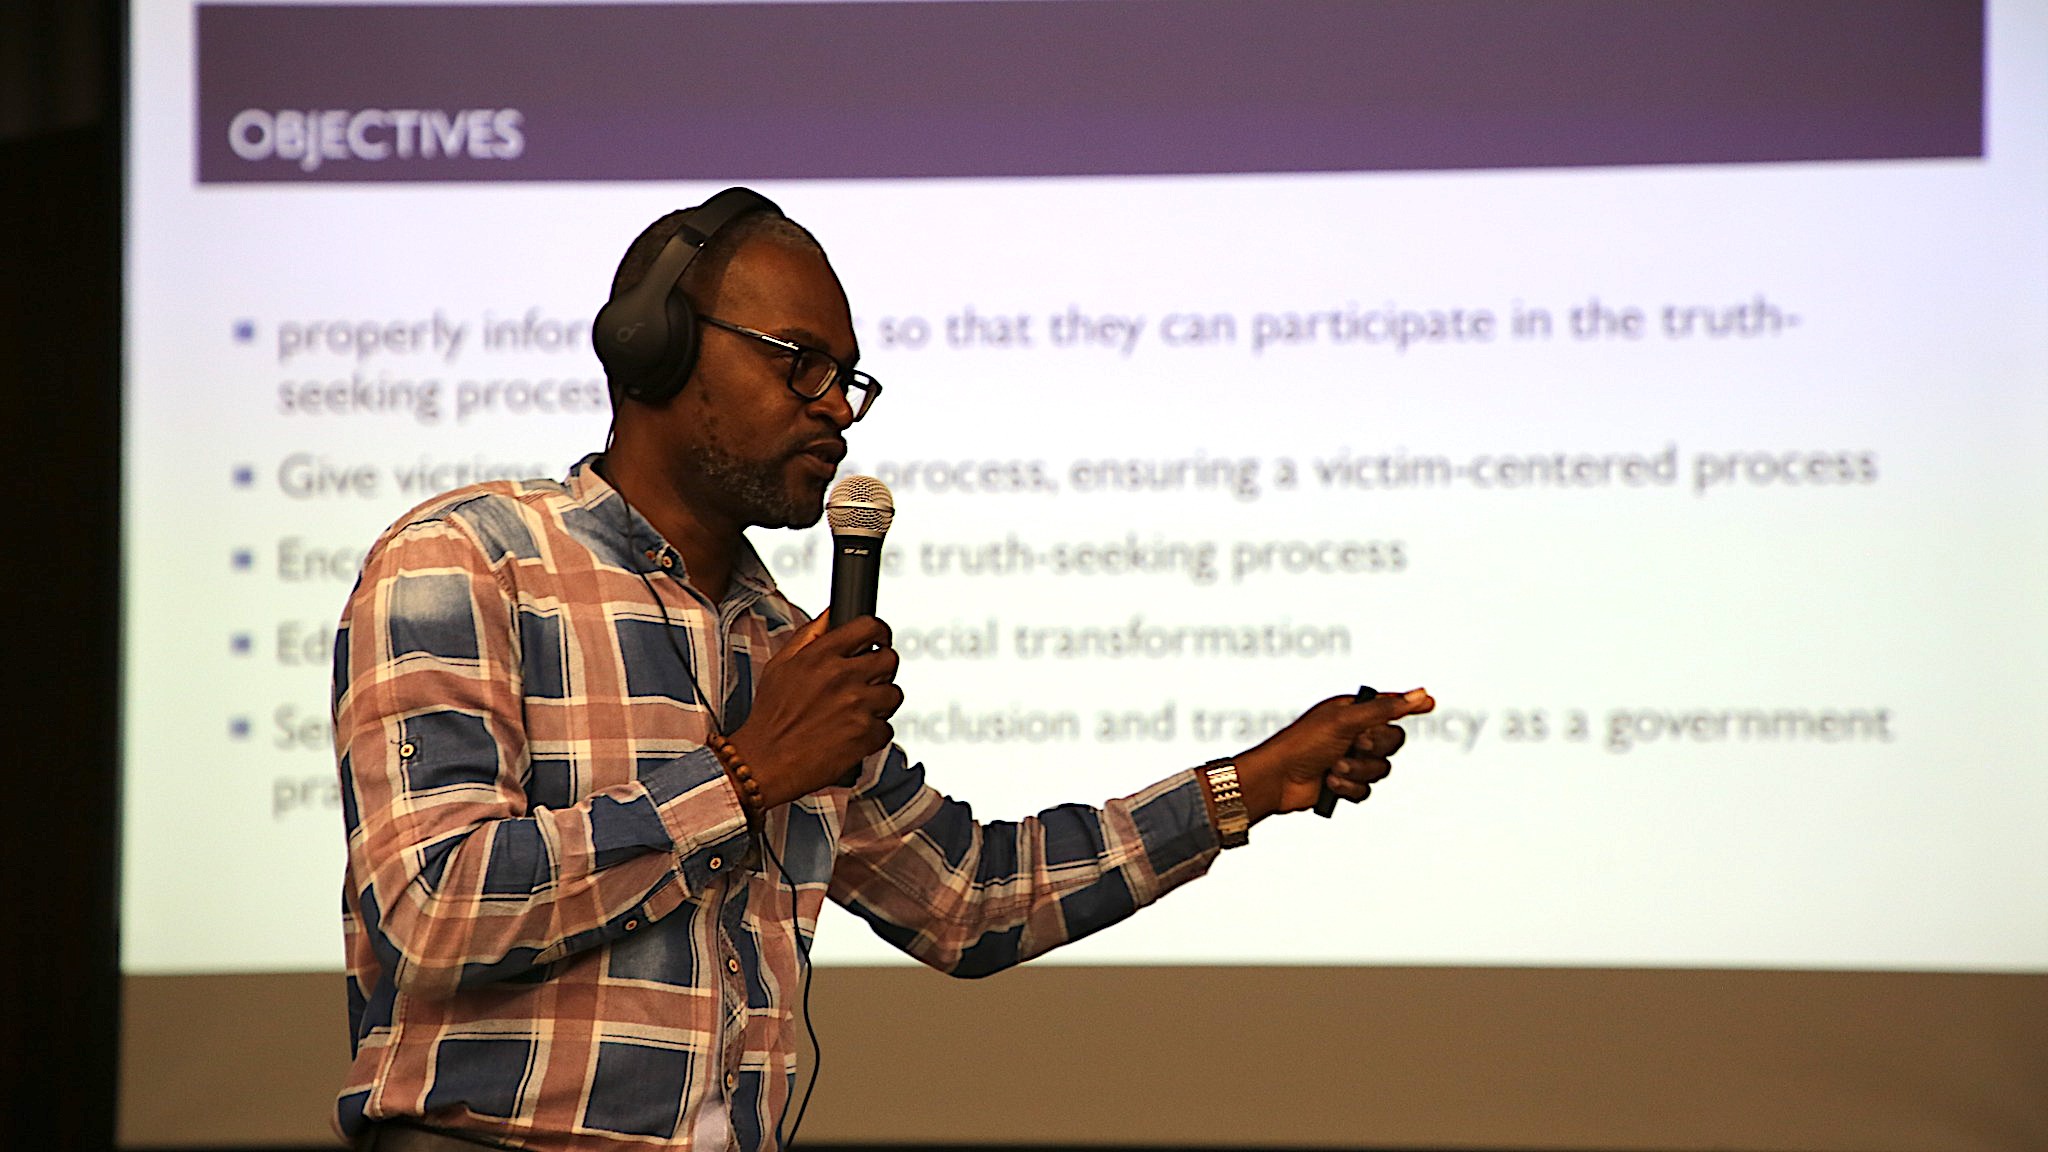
x=1075 y=87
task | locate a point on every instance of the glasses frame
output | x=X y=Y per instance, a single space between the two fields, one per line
x=870 y=388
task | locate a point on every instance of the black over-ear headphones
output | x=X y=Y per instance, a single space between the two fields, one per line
x=646 y=336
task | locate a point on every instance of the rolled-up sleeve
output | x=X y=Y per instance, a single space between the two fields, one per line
x=972 y=898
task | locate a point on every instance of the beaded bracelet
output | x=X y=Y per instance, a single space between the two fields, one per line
x=729 y=759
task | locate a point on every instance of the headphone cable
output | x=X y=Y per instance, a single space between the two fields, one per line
x=713 y=720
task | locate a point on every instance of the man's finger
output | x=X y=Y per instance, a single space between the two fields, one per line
x=892 y=699
x=1382 y=740
x=1363 y=769
x=1387 y=707
x=1348 y=788
x=859 y=635
x=876 y=666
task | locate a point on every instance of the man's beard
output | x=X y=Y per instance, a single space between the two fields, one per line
x=759 y=489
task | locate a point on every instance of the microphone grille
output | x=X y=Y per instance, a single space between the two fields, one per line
x=860 y=506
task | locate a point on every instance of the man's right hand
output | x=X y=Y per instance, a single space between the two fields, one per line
x=822 y=705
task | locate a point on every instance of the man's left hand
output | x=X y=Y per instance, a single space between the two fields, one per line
x=1346 y=741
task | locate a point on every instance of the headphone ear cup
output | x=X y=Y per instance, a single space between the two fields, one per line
x=652 y=366
x=667 y=375
x=677 y=339
x=682 y=341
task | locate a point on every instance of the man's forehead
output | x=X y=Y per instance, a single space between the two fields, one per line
x=786 y=279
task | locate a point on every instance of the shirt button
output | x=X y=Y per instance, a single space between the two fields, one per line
x=666 y=561
x=717 y=862
x=731 y=1081
x=406 y=750
x=732 y=964
x=632 y=924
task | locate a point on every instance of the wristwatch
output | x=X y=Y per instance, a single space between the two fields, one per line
x=1233 y=823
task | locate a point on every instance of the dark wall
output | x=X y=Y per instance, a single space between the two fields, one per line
x=59 y=440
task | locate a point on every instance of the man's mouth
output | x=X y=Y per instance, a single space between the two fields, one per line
x=823 y=455
x=829 y=451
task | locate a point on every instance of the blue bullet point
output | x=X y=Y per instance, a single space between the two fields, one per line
x=244 y=560
x=245 y=331
x=241 y=643
x=244 y=476
x=238 y=728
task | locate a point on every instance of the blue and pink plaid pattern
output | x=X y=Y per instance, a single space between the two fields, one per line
x=559 y=931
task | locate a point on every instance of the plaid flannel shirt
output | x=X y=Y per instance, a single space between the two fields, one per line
x=559 y=931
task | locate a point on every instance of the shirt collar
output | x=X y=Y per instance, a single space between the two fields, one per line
x=643 y=547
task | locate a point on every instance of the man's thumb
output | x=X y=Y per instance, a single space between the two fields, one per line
x=806 y=634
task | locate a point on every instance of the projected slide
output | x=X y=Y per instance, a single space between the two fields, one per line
x=1676 y=416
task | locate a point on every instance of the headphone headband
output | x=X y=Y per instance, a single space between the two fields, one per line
x=646 y=336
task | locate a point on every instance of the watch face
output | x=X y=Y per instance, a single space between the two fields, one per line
x=1233 y=823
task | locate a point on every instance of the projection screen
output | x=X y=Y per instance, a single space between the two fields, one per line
x=1661 y=385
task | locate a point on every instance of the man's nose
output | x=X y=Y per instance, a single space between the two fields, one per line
x=834 y=405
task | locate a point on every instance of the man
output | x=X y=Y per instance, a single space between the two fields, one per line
x=596 y=769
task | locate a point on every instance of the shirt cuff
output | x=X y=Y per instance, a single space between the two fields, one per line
x=700 y=811
x=1172 y=820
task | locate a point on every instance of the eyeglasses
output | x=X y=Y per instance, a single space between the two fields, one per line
x=813 y=371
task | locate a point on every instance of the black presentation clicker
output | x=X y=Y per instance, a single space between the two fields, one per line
x=1326 y=803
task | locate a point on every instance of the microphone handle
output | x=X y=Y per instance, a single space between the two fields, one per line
x=856 y=570
x=1326 y=803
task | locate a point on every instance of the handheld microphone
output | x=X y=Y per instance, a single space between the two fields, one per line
x=859 y=511
x=1326 y=803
